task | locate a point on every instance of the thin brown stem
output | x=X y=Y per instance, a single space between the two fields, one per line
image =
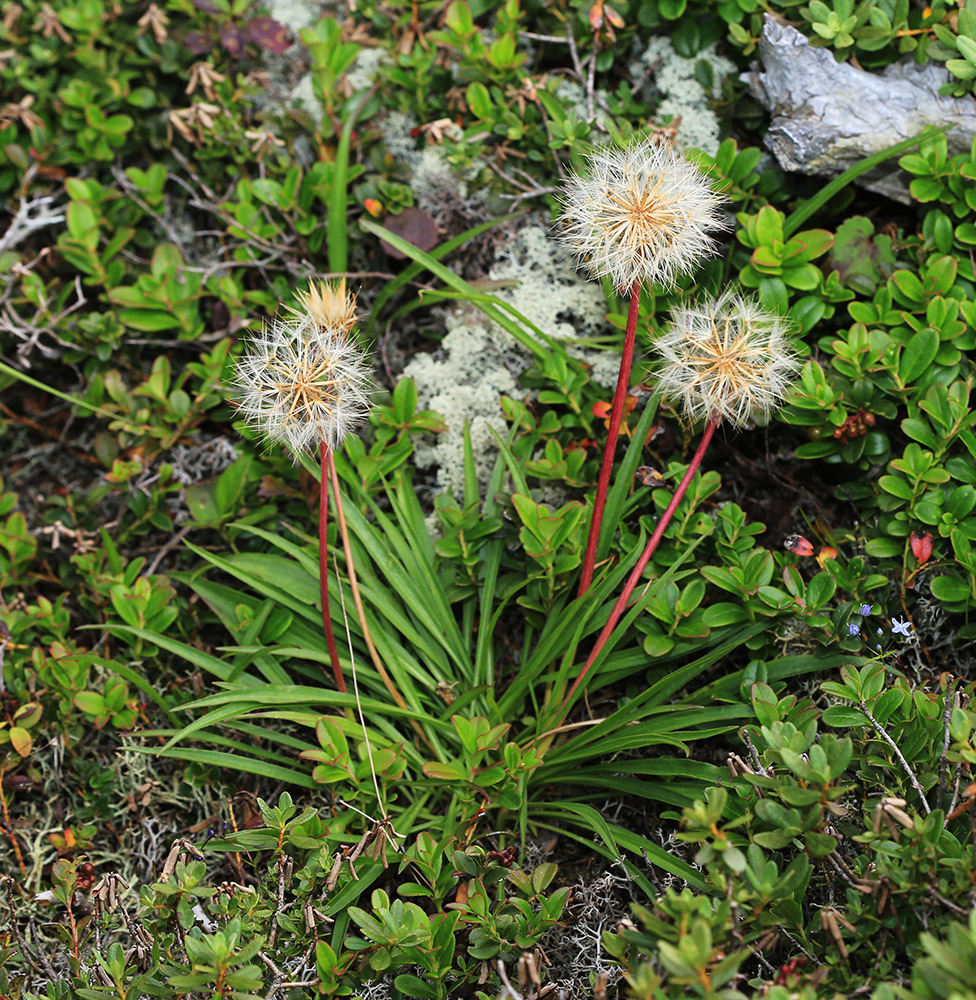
x=634 y=578
x=324 y=567
x=616 y=418
x=358 y=601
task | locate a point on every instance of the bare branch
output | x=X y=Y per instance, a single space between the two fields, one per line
x=906 y=767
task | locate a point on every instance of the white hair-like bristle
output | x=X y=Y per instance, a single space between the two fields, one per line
x=727 y=357
x=302 y=384
x=641 y=214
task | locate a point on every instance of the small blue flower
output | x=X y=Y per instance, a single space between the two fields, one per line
x=900 y=628
x=853 y=629
x=865 y=609
x=880 y=632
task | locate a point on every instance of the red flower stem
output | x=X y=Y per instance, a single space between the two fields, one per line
x=638 y=570
x=324 y=566
x=616 y=417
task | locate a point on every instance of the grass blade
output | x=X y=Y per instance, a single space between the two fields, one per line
x=192 y=655
x=236 y=762
x=414 y=268
x=814 y=204
x=624 y=478
x=458 y=284
x=614 y=837
x=338 y=222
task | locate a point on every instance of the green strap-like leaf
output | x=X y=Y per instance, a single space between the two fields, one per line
x=814 y=204
x=413 y=269
x=459 y=285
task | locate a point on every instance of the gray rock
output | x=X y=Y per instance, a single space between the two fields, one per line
x=829 y=115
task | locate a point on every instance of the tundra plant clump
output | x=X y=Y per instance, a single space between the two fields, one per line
x=153 y=574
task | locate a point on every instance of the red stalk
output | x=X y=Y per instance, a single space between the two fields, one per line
x=638 y=570
x=324 y=567
x=616 y=417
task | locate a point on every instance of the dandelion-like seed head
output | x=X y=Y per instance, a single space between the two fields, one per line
x=640 y=214
x=727 y=358
x=329 y=306
x=301 y=382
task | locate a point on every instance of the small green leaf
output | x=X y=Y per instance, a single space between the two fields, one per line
x=884 y=548
x=21 y=740
x=414 y=986
x=443 y=771
x=843 y=716
x=90 y=702
x=918 y=355
x=479 y=100
x=896 y=486
x=724 y=613
x=908 y=284
x=950 y=589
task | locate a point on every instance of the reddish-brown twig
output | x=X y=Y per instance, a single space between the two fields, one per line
x=11 y=833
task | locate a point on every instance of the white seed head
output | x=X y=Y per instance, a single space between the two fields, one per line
x=640 y=214
x=301 y=383
x=727 y=357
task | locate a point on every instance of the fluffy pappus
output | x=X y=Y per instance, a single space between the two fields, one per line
x=301 y=383
x=727 y=358
x=640 y=214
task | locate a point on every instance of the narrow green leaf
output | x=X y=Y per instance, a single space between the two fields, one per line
x=74 y=400
x=414 y=268
x=814 y=204
x=614 y=837
x=458 y=284
x=624 y=478
x=195 y=656
x=338 y=222
x=237 y=762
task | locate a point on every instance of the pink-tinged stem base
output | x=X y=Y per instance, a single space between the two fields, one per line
x=616 y=418
x=324 y=567
x=636 y=573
